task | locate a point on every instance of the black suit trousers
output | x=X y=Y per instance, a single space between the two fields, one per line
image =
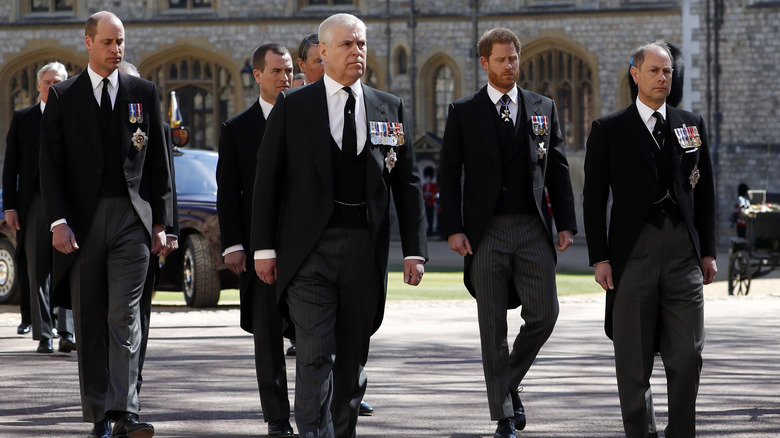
x=332 y=300
x=107 y=281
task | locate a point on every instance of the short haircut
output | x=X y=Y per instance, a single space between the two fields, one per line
x=310 y=40
x=498 y=35
x=127 y=68
x=90 y=29
x=55 y=66
x=299 y=76
x=258 y=58
x=639 y=53
x=338 y=20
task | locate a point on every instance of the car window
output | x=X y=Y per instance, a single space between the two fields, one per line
x=196 y=174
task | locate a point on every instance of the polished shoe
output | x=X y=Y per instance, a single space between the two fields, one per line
x=280 y=428
x=23 y=328
x=291 y=350
x=365 y=409
x=505 y=429
x=45 y=346
x=519 y=414
x=128 y=426
x=67 y=343
x=102 y=429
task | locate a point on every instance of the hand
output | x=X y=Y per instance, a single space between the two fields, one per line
x=460 y=244
x=12 y=217
x=158 y=239
x=171 y=245
x=413 y=271
x=266 y=270
x=236 y=261
x=604 y=275
x=63 y=239
x=565 y=240
x=709 y=269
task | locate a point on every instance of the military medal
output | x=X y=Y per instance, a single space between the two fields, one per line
x=139 y=139
x=688 y=137
x=136 y=112
x=390 y=160
x=542 y=150
x=694 y=178
x=374 y=132
x=540 y=125
x=506 y=114
x=399 y=132
x=131 y=109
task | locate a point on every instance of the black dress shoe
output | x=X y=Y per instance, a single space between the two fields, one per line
x=23 y=328
x=45 y=346
x=128 y=426
x=102 y=429
x=280 y=428
x=365 y=409
x=291 y=350
x=67 y=343
x=519 y=414
x=506 y=428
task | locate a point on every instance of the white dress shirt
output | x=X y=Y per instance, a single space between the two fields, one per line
x=495 y=97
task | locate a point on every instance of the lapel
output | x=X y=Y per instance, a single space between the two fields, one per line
x=644 y=144
x=480 y=108
x=254 y=127
x=533 y=107
x=674 y=120
x=316 y=113
x=88 y=109
x=376 y=110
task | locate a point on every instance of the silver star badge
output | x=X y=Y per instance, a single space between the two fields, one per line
x=139 y=139
x=695 y=175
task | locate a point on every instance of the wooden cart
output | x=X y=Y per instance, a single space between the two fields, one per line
x=758 y=253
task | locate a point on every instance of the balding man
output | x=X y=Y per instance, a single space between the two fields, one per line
x=106 y=186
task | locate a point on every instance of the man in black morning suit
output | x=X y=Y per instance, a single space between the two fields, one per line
x=238 y=144
x=659 y=248
x=505 y=229
x=106 y=186
x=321 y=224
x=24 y=213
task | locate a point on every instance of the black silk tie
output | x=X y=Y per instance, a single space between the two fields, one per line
x=659 y=131
x=349 y=137
x=105 y=104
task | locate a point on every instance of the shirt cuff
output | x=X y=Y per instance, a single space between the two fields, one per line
x=263 y=254
x=233 y=248
x=57 y=222
x=414 y=258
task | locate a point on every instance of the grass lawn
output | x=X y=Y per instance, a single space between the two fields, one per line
x=435 y=286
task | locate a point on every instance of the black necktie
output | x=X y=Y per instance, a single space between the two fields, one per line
x=105 y=104
x=349 y=137
x=659 y=131
x=507 y=127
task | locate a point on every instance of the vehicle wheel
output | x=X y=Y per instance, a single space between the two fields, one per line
x=740 y=273
x=200 y=280
x=8 y=291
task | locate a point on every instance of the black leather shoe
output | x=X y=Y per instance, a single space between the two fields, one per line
x=67 y=343
x=23 y=328
x=102 y=429
x=506 y=429
x=45 y=346
x=128 y=426
x=280 y=428
x=365 y=409
x=291 y=350
x=519 y=414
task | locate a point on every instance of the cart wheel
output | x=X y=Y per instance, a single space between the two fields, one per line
x=740 y=273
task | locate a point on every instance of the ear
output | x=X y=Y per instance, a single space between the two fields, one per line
x=301 y=65
x=323 y=52
x=88 y=43
x=634 y=74
x=257 y=74
x=484 y=62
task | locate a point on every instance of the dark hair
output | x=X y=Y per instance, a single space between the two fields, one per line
x=258 y=58
x=498 y=35
x=742 y=190
x=91 y=27
x=310 y=40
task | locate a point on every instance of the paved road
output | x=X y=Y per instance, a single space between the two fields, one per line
x=425 y=374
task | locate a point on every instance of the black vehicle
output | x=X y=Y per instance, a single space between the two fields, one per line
x=196 y=268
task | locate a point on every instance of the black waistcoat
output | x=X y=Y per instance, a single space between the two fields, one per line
x=516 y=194
x=349 y=187
x=113 y=182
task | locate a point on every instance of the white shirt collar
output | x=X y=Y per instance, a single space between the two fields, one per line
x=97 y=80
x=42 y=106
x=266 y=107
x=646 y=113
x=496 y=95
x=332 y=87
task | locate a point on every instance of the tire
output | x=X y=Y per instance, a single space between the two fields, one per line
x=9 y=291
x=200 y=280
